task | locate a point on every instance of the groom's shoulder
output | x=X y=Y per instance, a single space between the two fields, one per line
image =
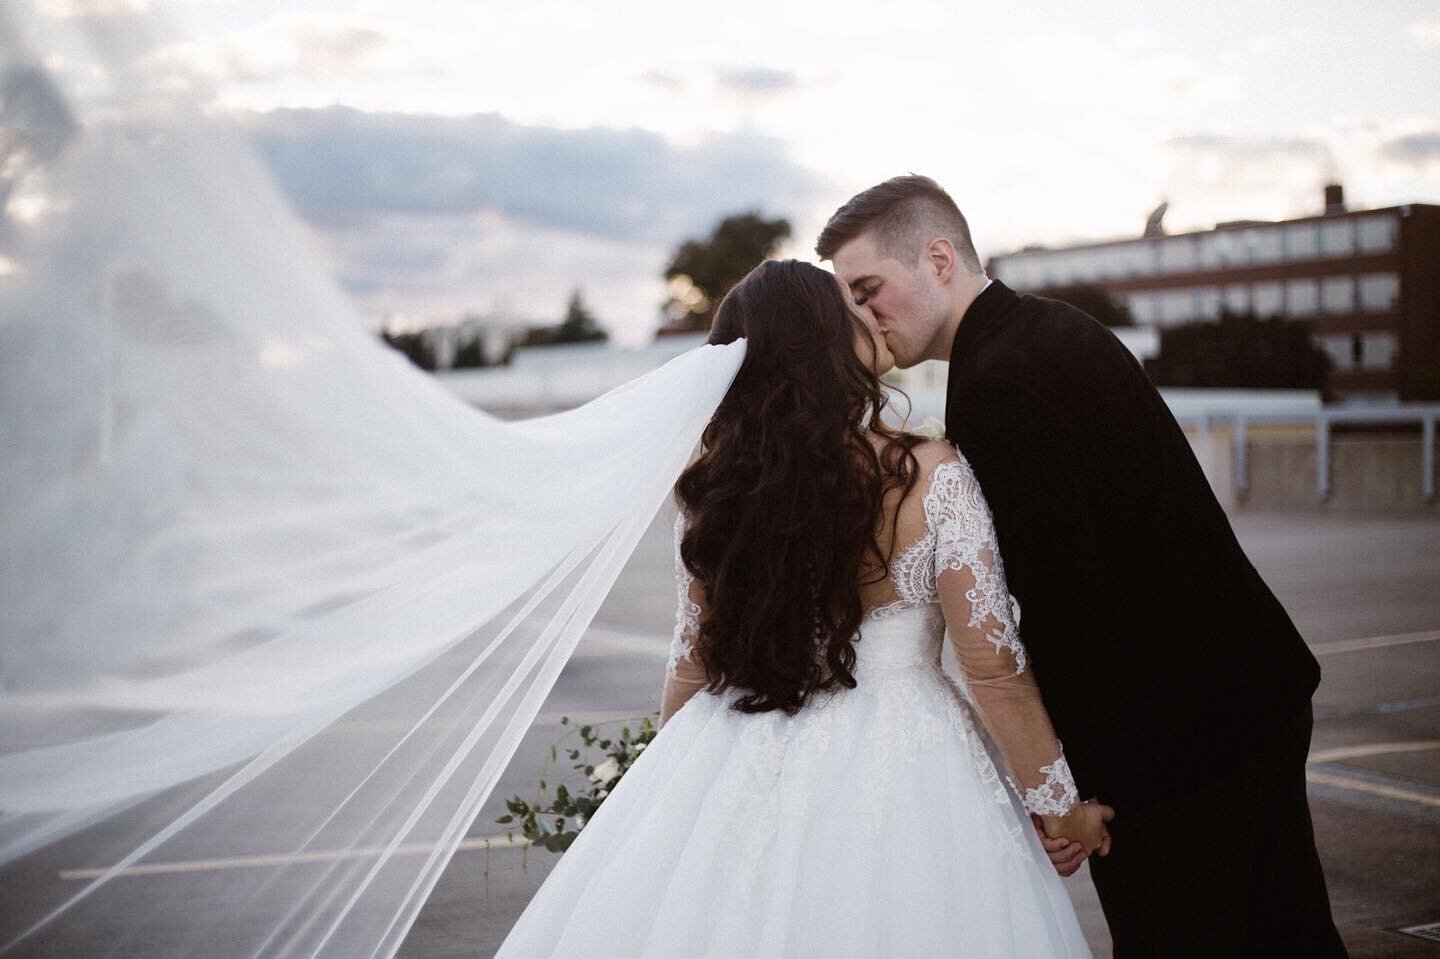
x=1046 y=333
x=1062 y=321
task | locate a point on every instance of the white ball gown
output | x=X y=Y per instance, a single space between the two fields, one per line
x=872 y=823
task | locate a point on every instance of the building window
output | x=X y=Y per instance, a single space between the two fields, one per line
x=1062 y=269
x=1268 y=299
x=1337 y=294
x=1337 y=237
x=1340 y=347
x=1205 y=303
x=1229 y=249
x=1144 y=307
x=1176 y=306
x=1237 y=298
x=1177 y=255
x=1151 y=260
x=1302 y=298
x=1354 y=352
x=1135 y=259
x=1376 y=233
x=1379 y=292
x=1302 y=241
x=1012 y=272
x=1268 y=245
x=1092 y=266
x=1378 y=351
x=1209 y=251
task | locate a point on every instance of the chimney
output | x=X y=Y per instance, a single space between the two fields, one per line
x=1334 y=199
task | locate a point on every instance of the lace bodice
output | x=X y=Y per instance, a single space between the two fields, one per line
x=952 y=575
x=958 y=535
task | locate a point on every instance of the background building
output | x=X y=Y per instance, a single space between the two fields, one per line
x=1367 y=281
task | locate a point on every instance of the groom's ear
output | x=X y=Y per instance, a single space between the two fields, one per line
x=940 y=256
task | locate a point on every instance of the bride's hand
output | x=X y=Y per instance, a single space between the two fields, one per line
x=1085 y=824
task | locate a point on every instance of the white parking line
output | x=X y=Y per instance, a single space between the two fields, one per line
x=1371 y=749
x=1374 y=789
x=283 y=859
x=1373 y=642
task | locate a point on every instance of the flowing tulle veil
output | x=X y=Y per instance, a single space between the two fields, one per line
x=270 y=597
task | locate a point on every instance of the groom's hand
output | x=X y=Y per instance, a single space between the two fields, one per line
x=1066 y=855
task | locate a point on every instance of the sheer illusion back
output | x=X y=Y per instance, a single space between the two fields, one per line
x=949 y=573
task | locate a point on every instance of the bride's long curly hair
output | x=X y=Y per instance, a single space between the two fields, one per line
x=782 y=505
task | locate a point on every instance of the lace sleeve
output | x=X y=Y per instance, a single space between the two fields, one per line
x=983 y=622
x=684 y=676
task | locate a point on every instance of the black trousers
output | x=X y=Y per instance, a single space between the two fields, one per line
x=1227 y=870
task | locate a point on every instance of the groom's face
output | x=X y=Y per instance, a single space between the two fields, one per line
x=908 y=305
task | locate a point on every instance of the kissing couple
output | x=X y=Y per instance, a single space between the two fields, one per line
x=820 y=785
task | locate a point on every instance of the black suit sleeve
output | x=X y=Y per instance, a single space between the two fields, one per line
x=1023 y=454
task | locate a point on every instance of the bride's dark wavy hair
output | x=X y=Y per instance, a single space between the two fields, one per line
x=782 y=505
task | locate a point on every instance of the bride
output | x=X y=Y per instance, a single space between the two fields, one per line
x=819 y=786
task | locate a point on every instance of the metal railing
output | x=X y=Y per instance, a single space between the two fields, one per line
x=1423 y=414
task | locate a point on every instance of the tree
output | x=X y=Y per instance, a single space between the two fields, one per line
x=1241 y=351
x=702 y=271
x=414 y=345
x=578 y=326
x=1095 y=300
x=470 y=354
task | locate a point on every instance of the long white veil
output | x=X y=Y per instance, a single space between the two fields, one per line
x=268 y=594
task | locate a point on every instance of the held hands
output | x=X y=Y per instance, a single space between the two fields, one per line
x=1068 y=839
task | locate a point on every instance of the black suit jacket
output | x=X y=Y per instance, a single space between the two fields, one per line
x=1160 y=653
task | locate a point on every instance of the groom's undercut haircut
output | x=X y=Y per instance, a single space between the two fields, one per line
x=900 y=215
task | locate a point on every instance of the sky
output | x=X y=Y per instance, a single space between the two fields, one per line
x=458 y=156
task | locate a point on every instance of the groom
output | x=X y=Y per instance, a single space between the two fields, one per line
x=1175 y=679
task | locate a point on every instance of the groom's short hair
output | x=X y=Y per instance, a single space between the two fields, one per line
x=900 y=215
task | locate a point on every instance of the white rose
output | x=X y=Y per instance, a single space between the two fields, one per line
x=607 y=772
x=931 y=428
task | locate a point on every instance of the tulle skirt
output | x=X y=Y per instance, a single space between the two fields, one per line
x=870 y=824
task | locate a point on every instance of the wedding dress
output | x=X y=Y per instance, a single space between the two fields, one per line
x=872 y=823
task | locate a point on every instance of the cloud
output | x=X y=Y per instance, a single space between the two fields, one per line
x=441 y=266
x=341 y=165
x=1248 y=156
x=1413 y=149
x=76 y=9
x=663 y=80
x=433 y=215
x=324 y=48
x=1218 y=176
x=763 y=81
x=287 y=46
x=1425 y=32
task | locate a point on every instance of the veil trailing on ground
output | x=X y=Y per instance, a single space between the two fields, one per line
x=270 y=597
